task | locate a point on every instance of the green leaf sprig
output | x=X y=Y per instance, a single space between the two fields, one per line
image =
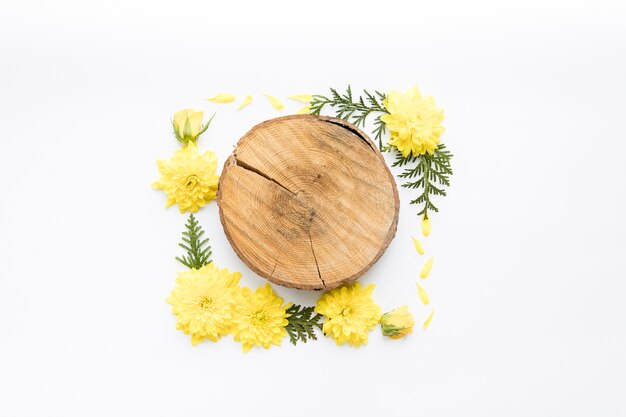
x=198 y=250
x=354 y=110
x=302 y=323
x=432 y=172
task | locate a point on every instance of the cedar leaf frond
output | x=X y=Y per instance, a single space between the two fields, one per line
x=198 y=251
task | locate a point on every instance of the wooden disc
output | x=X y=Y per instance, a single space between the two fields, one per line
x=308 y=201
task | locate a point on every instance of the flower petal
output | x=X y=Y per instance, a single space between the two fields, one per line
x=195 y=120
x=304 y=110
x=276 y=103
x=423 y=295
x=426 y=268
x=222 y=98
x=246 y=101
x=429 y=319
x=196 y=339
x=418 y=246
x=425 y=226
x=304 y=98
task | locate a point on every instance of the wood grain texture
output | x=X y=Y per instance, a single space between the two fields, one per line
x=308 y=201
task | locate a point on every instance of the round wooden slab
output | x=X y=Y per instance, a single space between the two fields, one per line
x=308 y=201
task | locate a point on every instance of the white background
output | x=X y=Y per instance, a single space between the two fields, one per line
x=529 y=279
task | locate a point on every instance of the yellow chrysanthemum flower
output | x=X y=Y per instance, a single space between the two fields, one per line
x=414 y=122
x=349 y=313
x=188 y=178
x=260 y=318
x=204 y=301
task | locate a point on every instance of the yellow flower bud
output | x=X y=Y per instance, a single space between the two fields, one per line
x=427 y=267
x=188 y=125
x=425 y=225
x=397 y=323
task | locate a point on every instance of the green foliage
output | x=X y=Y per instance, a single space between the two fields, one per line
x=302 y=323
x=197 y=254
x=433 y=175
x=354 y=110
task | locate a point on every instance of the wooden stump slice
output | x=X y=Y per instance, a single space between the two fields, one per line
x=308 y=201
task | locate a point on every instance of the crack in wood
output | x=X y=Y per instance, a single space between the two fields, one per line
x=247 y=167
x=317 y=265
x=275 y=263
x=357 y=132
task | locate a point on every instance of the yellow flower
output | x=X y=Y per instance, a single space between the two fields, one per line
x=188 y=178
x=349 y=313
x=260 y=318
x=203 y=302
x=188 y=126
x=414 y=122
x=397 y=323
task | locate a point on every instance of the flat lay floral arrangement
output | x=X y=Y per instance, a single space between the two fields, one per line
x=208 y=300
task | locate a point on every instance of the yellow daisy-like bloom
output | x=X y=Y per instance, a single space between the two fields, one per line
x=414 y=122
x=188 y=178
x=349 y=313
x=260 y=318
x=204 y=301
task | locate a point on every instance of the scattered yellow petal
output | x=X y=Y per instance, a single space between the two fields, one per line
x=304 y=110
x=246 y=100
x=222 y=98
x=305 y=98
x=425 y=226
x=426 y=268
x=418 y=246
x=276 y=103
x=423 y=295
x=428 y=320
